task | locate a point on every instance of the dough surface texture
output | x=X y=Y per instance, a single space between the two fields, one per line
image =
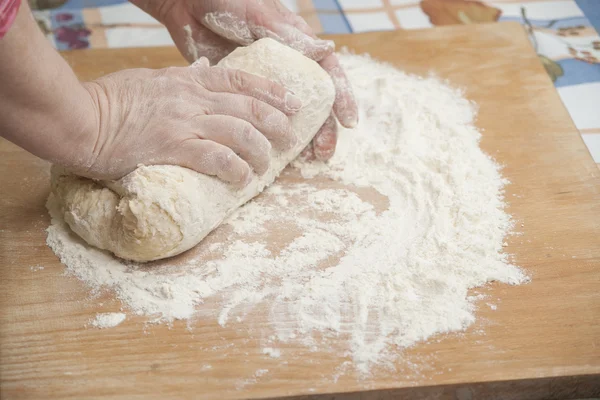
x=162 y=210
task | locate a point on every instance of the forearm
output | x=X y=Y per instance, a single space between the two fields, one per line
x=43 y=107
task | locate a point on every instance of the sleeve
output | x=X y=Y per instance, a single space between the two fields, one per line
x=8 y=13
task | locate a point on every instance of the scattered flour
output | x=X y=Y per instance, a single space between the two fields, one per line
x=271 y=352
x=375 y=251
x=35 y=268
x=108 y=320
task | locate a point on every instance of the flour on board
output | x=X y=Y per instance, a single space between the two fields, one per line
x=376 y=250
x=108 y=320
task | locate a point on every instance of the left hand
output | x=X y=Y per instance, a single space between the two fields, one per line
x=214 y=28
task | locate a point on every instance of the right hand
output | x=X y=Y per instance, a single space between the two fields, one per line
x=214 y=28
x=213 y=120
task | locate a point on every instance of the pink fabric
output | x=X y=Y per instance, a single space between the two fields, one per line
x=8 y=12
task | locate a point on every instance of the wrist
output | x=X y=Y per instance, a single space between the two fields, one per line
x=77 y=126
x=43 y=107
x=87 y=138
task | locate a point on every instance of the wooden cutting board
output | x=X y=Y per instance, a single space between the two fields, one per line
x=543 y=341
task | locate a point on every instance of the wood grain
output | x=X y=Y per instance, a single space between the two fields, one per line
x=543 y=341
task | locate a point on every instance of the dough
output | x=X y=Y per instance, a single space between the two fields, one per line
x=160 y=211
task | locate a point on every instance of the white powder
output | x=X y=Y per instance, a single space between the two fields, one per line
x=271 y=352
x=376 y=250
x=108 y=320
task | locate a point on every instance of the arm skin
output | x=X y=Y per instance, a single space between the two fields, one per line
x=213 y=120
x=43 y=106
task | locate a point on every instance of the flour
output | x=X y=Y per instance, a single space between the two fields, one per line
x=271 y=352
x=108 y=320
x=375 y=251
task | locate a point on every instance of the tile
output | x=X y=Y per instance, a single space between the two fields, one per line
x=592 y=141
x=550 y=23
x=69 y=30
x=577 y=72
x=81 y=4
x=551 y=45
x=125 y=14
x=360 y=4
x=546 y=10
x=326 y=5
x=364 y=22
x=334 y=23
x=592 y=11
x=44 y=20
x=291 y=5
x=405 y=2
x=582 y=102
x=138 y=37
x=413 y=18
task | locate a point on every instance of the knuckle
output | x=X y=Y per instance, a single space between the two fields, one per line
x=247 y=134
x=257 y=109
x=168 y=71
x=291 y=138
x=277 y=89
x=263 y=155
x=225 y=160
x=254 y=144
x=239 y=80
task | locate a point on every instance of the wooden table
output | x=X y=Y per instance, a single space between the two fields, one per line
x=543 y=341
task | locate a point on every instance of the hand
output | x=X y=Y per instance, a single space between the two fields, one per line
x=213 y=120
x=214 y=28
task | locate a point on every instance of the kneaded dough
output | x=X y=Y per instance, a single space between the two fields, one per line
x=160 y=211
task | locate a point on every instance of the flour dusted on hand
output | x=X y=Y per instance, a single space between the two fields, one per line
x=375 y=250
x=162 y=210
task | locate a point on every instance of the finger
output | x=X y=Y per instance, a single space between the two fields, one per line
x=254 y=20
x=201 y=63
x=294 y=19
x=298 y=22
x=344 y=107
x=283 y=32
x=325 y=140
x=307 y=154
x=218 y=79
x=211 y=158
x=241 y=137
x=268 y=120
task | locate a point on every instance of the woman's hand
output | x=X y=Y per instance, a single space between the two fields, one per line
x=214 y=28
x=213 y=120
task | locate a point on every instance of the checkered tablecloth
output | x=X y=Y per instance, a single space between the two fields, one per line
x=568 y=44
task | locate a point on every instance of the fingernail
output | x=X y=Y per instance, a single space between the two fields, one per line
x=321 y=49
x=247 y=180
x=293 y=102
x=349 y=120
x=327 y=44
x=201 y=62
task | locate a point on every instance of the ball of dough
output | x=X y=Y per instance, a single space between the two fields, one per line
x=162 y=210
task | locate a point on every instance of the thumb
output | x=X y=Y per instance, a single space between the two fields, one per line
x=202 y=62
x=244 y=25
x=285 y=33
